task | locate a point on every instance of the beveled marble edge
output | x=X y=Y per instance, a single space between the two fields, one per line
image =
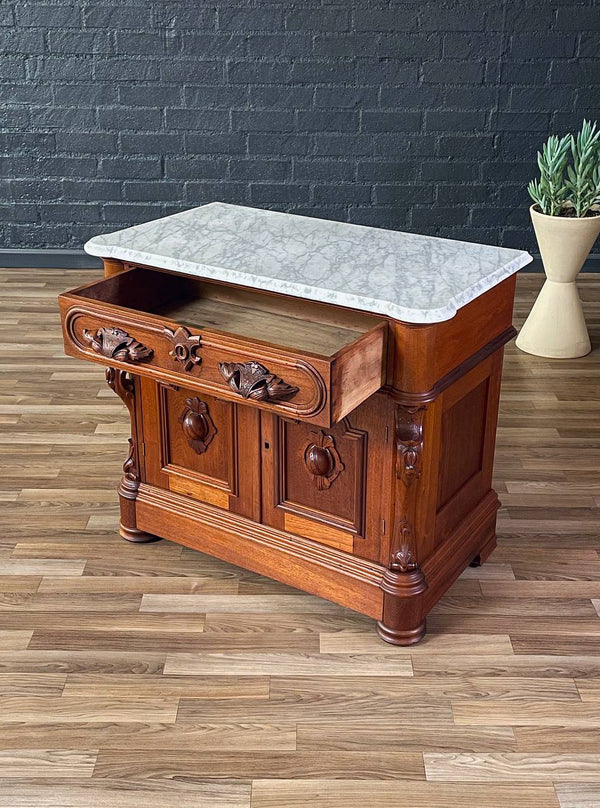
x=362 y=303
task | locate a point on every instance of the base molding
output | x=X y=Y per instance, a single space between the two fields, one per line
x=319 y=569
x=399 y=601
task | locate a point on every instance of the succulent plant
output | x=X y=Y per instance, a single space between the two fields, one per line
x=562 y=186
x=550 y=191
x=583 y=177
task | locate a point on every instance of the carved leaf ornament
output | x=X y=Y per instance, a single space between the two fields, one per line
x=403 y=559
x=254 y=381
x=114 y=343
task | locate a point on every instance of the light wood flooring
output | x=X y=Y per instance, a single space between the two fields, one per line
x=147 y=676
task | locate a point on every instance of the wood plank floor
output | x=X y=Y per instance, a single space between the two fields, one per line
x=152 y=675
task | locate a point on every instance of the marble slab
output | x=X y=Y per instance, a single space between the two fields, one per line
x=417 y=279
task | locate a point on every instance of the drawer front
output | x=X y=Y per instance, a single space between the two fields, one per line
x=223 y=365
x=283 y=356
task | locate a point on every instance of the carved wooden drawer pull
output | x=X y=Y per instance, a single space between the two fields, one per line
x=197 y=424
x=185 y=347
x=322 y=460
x=253 y=380
x=117 y=344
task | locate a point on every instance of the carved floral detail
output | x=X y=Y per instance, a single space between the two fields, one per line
x=114 y=343
x=254 y=381
x=409 y=443
x=322 y=460
x=197 y=424
x=185 y=347
x=403 y=558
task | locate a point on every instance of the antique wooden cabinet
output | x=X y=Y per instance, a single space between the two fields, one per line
x=284 y=419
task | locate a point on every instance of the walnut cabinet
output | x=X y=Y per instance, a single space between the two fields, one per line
x=345 y=453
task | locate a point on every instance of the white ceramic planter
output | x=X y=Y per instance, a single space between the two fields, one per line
x=556 y=326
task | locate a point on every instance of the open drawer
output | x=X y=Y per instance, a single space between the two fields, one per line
x=298 y=358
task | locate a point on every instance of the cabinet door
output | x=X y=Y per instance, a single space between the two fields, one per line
x=202 y=447
x=330 y=485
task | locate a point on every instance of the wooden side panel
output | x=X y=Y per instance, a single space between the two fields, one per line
x=194 y=447
x=463 y=429
x=467 y=439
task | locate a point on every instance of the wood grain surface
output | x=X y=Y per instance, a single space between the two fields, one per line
x=154 y=675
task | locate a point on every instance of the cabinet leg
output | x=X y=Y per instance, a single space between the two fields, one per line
x=401 y=636
x=485 y=552
x=128 y=529
x=135 y=535
x=403 y=620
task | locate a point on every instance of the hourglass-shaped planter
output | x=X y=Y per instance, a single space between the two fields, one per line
x=556 y=326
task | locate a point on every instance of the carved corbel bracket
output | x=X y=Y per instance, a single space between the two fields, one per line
x=185 y=347
x=122 y=383
x=409 y=443
x=197 y=424
x=322 y=460
x=254 y=381
x=114 y=343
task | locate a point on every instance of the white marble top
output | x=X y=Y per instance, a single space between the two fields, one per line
x=418 y=279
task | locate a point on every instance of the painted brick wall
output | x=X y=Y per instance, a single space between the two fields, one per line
x=422 y=116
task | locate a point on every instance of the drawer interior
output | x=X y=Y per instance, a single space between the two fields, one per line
x=287 y=322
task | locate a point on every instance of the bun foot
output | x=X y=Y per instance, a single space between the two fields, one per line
x=138 y=536
x=396 y=636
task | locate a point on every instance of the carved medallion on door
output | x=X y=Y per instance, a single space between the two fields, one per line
x=322 y=460
x=197 y=424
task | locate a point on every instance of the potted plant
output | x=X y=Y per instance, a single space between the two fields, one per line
x=566 y=219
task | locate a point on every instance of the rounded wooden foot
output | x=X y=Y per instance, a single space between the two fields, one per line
x=476 y=561
x=137 y=536
x=399 y=636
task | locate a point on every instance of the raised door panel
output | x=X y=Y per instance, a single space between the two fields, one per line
x=330 y=485
x=202 y=447
x=467 y=441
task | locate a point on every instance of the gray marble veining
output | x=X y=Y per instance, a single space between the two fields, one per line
x=418 y=279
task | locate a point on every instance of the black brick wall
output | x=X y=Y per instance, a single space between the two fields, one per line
x=423 y=116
